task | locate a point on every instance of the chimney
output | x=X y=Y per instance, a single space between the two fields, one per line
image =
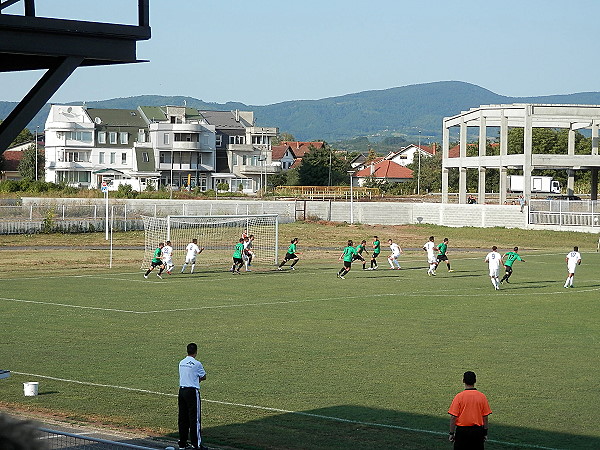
x=434 y=147
x=237 y=115
x=372 y=169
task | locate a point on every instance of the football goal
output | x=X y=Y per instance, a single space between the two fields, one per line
x=217 y=234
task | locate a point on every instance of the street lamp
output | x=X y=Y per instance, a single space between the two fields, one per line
x=419 y=167
x=350 y=172
x=36 y=152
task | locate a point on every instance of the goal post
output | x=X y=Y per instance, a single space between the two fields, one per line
x=217 y=234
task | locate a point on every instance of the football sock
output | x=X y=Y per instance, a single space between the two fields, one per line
x=193 y=265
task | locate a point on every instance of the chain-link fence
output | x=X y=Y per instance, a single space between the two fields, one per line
x=54 y=440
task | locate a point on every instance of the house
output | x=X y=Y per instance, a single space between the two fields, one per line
x=180 y=144
x=85 y=147
x=409 y=154
x=9 y=169
x=167 y=145
x=283 y=156
x=384 y=170
x=300 y=148
x=243 y=150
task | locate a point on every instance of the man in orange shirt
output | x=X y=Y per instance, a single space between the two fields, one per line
x=469 y=413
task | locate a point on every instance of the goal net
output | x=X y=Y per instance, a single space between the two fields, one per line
x=217 y=234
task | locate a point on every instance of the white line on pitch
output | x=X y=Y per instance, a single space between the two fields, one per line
x=278 y=410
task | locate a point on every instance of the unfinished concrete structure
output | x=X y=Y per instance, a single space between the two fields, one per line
x=526 y=116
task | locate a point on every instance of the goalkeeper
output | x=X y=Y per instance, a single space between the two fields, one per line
x=290 y=255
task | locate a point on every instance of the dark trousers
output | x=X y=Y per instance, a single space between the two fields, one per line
x=189 y=419
x=469 y=438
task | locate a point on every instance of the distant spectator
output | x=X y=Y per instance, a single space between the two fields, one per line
x=522 y=202
x=471 y=200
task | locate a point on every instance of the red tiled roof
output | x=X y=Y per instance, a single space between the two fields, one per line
x=12 y=158
x=385 y=169
x=301 y=148
x=278 y=151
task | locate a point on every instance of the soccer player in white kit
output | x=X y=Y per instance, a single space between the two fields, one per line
x=396 y=252
x=167 y=257
x=573 y=260
x=494 y=259
x=190 y=257
x=430 y=248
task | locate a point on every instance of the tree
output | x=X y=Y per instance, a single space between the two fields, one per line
x=27 y=164
x=315 y=167
x=282 y=137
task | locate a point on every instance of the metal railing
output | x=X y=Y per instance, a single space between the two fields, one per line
x=55 y=440
x=585 y=213
x=327 y=192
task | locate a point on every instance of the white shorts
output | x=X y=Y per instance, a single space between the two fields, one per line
x=432 y=260
x=190 y=260
x=494 y=272
x=393 y=256
x=168 y=262
x=571 y=268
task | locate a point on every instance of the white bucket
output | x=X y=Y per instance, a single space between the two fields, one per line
x=30 y=389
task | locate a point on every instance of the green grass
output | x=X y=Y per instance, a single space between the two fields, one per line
x=342 y=363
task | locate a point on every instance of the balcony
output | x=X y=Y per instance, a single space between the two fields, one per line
x=257 y=170
x=241 y=147
x=186 y=167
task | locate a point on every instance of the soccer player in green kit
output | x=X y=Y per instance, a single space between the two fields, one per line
x=510 y=258
x=360 y=248
x=376 y=252
x=347 y=255
x=442 y=249
x=290 y=255
x=156 y=262
x=238 y=262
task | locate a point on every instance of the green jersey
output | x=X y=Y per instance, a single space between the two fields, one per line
x=239 y=248
x=292 y=249
x=511 y=257
x=349 y=253
x=376 y=247
x=360 y=248
x=156 y=255
x=442 y=249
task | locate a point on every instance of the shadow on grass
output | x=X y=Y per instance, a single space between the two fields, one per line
x=346 y=426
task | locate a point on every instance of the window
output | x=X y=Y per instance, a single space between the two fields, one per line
x=218 y=140
x=145 y=157
x=112 y=137
x=82 y=136
x=244 y=160
x=234 y=159
x=166 y=139
x=101 y=137
x=113 y=157
x=74 y=177
x=101 y=158
x=165 y=157
x=141 y=135
x=186 y=137
x=123 y=138
x=237 y=139
x=123 y=158
x=77 y=156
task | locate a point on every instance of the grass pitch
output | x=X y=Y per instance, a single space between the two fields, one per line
x=301 y=359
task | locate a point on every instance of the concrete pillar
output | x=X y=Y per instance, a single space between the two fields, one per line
x=481 y=185
x=462 y=185
x=445 y=154
x=594 y=190
x=503 y=152
x=570 y=182
x=462 y=176
x=595 y=138
x=527 y=150
x=571 y=143
x=445 y=185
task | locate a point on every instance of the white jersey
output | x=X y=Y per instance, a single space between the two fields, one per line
x=192 y=250
x=395 y=248
x=167 y=253
x=430 y=247
x=493 y=259
x=572 y=259
x=190 y=372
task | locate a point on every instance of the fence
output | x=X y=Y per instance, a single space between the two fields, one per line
x=584 y=213
x=327 y=192
x=55 y=440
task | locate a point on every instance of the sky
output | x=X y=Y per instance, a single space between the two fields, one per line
x=269 y=51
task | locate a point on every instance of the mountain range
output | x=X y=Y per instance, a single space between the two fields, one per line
x=400 y=111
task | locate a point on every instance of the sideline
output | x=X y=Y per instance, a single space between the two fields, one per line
x=283 y=411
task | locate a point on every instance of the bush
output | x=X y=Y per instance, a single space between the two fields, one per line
x=9 y=186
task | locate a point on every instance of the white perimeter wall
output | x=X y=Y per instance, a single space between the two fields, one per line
x=385 y=213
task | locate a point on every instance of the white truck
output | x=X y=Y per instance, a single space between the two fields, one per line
x=538 y=184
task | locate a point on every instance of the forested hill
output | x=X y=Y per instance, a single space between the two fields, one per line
x=400 y=111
